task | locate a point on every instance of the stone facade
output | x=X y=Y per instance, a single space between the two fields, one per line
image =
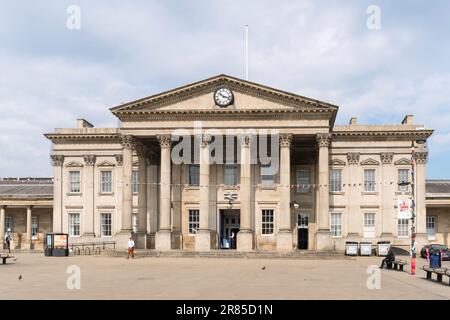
x=193 y=206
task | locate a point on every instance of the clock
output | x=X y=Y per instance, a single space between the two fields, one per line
x=223 y=97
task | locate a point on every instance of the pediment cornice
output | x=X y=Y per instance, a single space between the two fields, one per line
x=370 y=162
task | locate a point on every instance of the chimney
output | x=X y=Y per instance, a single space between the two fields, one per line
x=353 y=120
x=408 y=119
x=82 y=123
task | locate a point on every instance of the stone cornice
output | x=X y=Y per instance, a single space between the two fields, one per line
x=410 y=134
x=229 y=114
x=82 y=138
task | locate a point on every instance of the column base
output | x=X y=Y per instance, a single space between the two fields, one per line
x=151 y=240
x=122 y=238
x=203 y=240
x=140 y=239
x=245 y=240
x=163 y=240
x=324 y=240
x=284 y=240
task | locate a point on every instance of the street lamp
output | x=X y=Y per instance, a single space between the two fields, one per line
x=421 y=145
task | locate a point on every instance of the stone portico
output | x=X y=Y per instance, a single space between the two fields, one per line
x=136 y=179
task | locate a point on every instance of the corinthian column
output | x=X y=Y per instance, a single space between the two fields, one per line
x=128 y=143
x=88 y=196
x=323 y=233
x=203 y=235
x=245 y=234
x=163 y=236
x=142 y=153
x=420 y=158
x=57 y=161
x=284 y=236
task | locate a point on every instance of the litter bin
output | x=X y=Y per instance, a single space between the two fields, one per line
x=435 y=259
x=351 y=248
x=365 y=248
x=383 y=248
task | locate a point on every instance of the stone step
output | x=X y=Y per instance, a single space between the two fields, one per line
x=311 y=255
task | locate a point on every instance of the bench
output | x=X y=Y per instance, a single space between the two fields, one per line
x=5 y=257
x=438 y=271
x=396 y=265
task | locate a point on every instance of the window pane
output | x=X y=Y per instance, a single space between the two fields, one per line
x=369 y=180
x=431 y=227
x=106 y=225
x=230 y=178
x=194 y=221
x=336 y=225
x=135 y=178
x=74 y=224
x=74 y=181
x=106 y=181
x=335 y=180
x=194 y=174
x=402 y=228
x=302 y=181
x=34 y=226
x=403 y=176
x=267 y=217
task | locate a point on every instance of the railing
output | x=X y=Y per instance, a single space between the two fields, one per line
x=85 y=247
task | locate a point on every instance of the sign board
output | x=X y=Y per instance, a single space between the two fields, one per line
x=404 y=208
x=60 y=241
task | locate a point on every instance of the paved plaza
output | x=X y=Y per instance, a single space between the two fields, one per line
x=105 y=277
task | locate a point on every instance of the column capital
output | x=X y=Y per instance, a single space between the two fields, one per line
x=30 y=207
x=164 y=141
x=89 y=159
x=386 y=157
x=323 y=140
x=57 y=159
x=421 y=157
x=119 y=159
x=2 y=207
x=246 y=140
x=353 y=157
x=285 y=140
x=127 y=141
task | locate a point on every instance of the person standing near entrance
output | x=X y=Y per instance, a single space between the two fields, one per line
x=8 y=238
x=233 y=235
x=130 y=248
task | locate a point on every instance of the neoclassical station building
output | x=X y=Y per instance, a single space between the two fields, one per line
x=225 y=163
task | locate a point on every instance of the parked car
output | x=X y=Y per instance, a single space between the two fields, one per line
x=435 y=246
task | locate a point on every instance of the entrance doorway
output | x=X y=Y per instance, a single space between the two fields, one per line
x=302 y=230
x=230 y=221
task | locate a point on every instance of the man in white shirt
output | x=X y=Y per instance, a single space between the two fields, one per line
x=130 y=248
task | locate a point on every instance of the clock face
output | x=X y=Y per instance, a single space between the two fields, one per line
x=223 y=97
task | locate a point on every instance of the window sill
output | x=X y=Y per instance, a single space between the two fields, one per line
x=369 y=193
x=266 y=187
x=106 y=193
x=192 y=187
x=70 y=194
x=337 y=193
x=229 y=187
x=399 y=193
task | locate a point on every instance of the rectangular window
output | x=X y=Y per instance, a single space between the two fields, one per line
x=336 y=225
x=403 y=176
x=230 y=178
x=369 y=180
x=34 y=226
x=267 y=222
x=135 y=181
x=335 y=180
x=74 y=224
x=106 y=225
x=9 y=223
x=194 y=174
x=369 y=225
x=74 y=181
x=302 y=181
x=402 y=227
x=135 y=223
x=303 y=220
x=194 y=221
x=431 y=227
x=267 y=175
x=105 y=181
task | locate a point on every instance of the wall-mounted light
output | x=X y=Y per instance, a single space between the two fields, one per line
x=295 y=205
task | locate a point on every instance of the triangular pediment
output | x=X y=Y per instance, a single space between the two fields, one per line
x=199 y=97
x=403 y=161
x=369 y=162
x=74 y=164
x=337 y=162
x=105 y=163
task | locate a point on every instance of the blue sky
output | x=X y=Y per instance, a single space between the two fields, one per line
x=50 y=75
